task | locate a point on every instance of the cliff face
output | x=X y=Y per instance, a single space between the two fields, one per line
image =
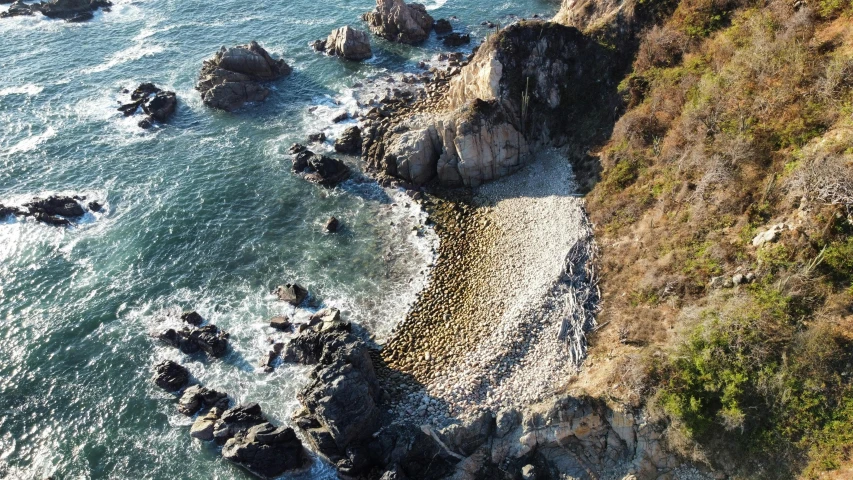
x=722 y=219
x=531 y=85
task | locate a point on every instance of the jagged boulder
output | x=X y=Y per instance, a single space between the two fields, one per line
x=292 y=293
x=196 y=397
x=236 y=419
x=349 y=141
x=396 y=21
x=348 y=43
x=233 y=76
x=208 y=338
x=265 y=450
x=170 y=376
x=312 y=344
x=320 y=169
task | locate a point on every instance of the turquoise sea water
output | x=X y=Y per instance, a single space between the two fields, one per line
x=200 y=214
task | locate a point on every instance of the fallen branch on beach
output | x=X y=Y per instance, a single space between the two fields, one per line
x=580 y=285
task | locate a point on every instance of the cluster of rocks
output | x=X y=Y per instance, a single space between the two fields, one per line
x=194 y=338
x=54 y=210
x=248 y=439
x=234 y=76
x=68 y=10
x=399 y=22
x=320 y=169
x=344 y=418
x=346 y=42
x=157 y=104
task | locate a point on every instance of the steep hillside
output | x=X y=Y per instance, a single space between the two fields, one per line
x=723 y=213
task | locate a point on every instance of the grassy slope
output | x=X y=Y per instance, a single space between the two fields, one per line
x=739 y=117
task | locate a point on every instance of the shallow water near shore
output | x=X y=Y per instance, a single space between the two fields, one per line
x=200 y=214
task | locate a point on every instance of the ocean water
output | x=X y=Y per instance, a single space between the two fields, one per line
x=201 y=214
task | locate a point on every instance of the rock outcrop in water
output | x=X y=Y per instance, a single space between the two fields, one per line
x=320 y=169
x=266 y=450
x=346 y=42
x=68 y=10
x=157 y=104
x=171 y=376
x=55 y=210
x=232 y=78
x=533 y=84
x=396 y=21
x=208 y=339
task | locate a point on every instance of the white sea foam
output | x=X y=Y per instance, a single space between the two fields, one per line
x=129 y=54
x=436 y=5
x=28 y=89
x=32 y=142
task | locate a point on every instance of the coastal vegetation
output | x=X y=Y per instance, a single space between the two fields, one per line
x=724 y=216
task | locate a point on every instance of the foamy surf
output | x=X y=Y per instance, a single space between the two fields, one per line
x=28 y=90
x=31 y=143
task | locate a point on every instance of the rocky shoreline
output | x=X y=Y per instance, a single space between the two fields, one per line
x=468 y=385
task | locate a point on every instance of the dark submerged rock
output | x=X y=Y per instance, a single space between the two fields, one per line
x=332 y=225
x=208 y=338
x=326 y=171
x=320 y=169
x=56 y=206
x=296 y=148
x=17 y=9
x=455 y=39
x=193 y=318
x=442 y=26
x=170 y=376
x=71 y=10
x=158 y=105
